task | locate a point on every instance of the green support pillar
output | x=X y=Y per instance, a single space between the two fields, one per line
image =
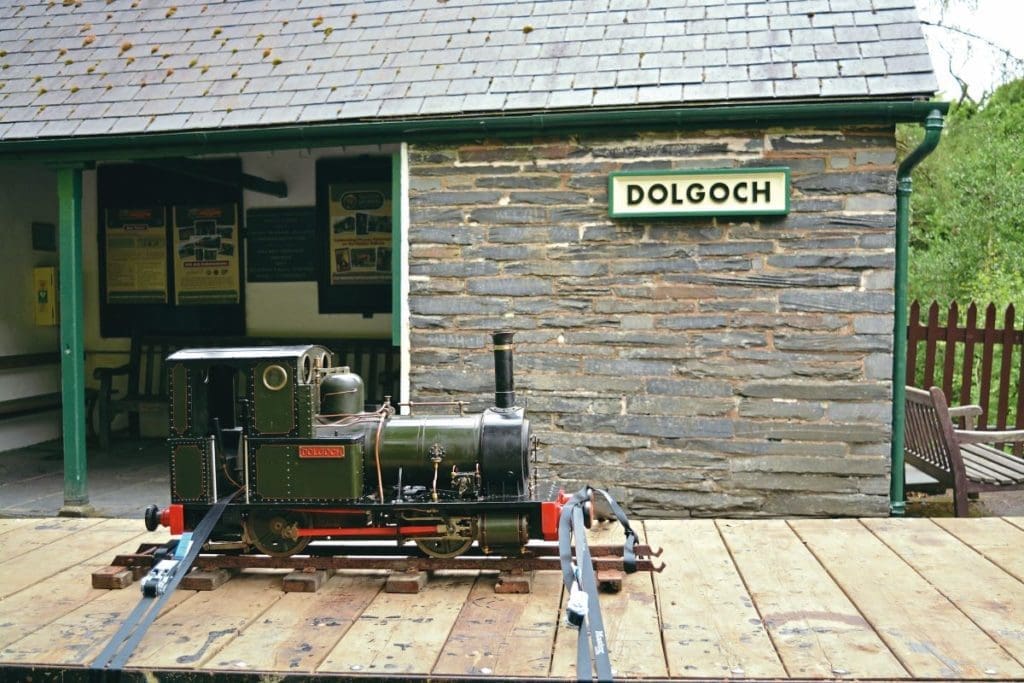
x=72 y=342
x=397 y=197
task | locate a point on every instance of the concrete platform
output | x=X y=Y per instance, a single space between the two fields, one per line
x=121 y=482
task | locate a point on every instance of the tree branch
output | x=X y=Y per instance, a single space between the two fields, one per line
x=1007 y=55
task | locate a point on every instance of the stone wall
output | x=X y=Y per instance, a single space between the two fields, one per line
x=692 y=366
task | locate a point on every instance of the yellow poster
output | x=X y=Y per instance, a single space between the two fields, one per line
x=206 y=269
x=136 y=244
x=360 y=219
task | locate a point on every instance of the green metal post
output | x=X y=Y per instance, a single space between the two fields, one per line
x=904 y=186
x=72 y=341
x=397 y=197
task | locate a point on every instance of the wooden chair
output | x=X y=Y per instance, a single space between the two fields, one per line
x=962 y=459
x=145 y=387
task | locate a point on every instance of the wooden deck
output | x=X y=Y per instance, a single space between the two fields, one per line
x=766 y=599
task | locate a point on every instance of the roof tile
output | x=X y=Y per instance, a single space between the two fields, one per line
x=615 y=96
x=846 y=85
x=862 y=67
x=663 y=94
x=703 y=92
x=750 y=90
x=559 y=99
x=888 y=85
x=173 y=122
x=797 y=87
x=271 y=62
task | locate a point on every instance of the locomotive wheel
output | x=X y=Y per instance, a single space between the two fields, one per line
x=272 y=533
x=444 y=547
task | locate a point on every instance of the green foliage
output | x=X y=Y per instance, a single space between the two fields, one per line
x=967 y=225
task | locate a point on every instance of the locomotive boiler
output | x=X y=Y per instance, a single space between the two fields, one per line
x=289 y=436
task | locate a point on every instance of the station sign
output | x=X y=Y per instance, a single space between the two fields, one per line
x=705 y=192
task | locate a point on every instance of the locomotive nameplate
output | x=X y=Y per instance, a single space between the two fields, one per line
x=321 y=451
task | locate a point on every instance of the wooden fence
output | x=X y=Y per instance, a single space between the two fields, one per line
x=983 y=365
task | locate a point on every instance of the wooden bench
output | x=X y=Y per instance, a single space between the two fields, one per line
x=961 y=459
x=145 y=384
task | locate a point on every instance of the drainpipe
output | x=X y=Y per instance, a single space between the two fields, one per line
x=904 y=186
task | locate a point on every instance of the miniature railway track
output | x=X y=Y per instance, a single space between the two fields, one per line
x=541 y=556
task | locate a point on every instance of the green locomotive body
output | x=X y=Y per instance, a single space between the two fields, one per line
x=309 y=461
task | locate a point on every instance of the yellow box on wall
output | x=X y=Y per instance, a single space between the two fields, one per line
x=45 y=292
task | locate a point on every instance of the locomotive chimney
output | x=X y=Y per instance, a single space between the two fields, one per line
x=504 y=389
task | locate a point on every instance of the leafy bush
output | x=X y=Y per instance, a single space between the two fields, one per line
x=967 y=226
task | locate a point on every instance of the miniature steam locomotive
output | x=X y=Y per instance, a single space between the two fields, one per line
x=291 y=435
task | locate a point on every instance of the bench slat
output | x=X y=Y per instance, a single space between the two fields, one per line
x=1010 y=463
x=1000 y=470
x=980 y=473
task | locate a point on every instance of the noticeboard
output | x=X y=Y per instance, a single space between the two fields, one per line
x=281 y=244
x=354 y=235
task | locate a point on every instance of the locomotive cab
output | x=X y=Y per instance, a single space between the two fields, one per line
x=224 y=397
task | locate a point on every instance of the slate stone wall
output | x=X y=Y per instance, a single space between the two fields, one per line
x=693 y=366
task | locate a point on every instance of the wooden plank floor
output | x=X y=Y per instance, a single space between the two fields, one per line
x=810 y=599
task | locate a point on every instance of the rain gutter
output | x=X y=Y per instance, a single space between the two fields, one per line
x=904 y=187
x=234 y=140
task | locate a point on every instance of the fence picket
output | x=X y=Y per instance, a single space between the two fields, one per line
x=913 y=336
x=987 y=353
x=952 y=318
x=932 y=338
x=1004 y=368
x=967 y=381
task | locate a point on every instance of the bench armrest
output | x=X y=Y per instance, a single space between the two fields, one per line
x=969 y=413
x=994 y=436
x=965 y=411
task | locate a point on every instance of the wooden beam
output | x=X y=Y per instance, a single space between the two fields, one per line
x=197 y=169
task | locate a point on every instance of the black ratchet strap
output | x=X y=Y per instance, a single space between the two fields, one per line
x=124 y=642
x=628 y=548
x=580 y=577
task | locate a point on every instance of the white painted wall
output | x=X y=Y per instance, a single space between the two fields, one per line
x=290 y=308
x=272 y=308
x=28 y=194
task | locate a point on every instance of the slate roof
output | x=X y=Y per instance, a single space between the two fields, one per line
x=92 y=67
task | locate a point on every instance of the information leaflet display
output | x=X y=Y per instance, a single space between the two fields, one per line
x=206 y=269
x=136 y=258
x=360 y=233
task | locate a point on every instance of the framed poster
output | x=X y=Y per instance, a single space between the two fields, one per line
x=360 y=245
x=354 y=232
x=206 y=254
x=145 y=287
x=136 y=251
